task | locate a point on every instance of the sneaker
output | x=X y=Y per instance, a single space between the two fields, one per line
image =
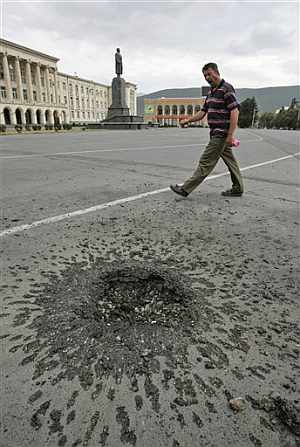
x=232 y=193
x=179 y=190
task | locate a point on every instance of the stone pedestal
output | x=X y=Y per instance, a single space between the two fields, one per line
x=119 y=109
x=118 y=116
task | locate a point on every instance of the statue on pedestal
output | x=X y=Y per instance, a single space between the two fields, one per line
x=119 y=64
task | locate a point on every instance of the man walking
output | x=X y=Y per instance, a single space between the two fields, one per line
x=222 y=109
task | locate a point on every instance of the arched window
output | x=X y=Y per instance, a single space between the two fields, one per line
x=159 y=110
x=6 y=113
x=174 y=110
x=28 y=119
x=18 y=116
x=167 y=110
x=190 y=109
x=56 y=117
x=38 y=117
x=182 y=110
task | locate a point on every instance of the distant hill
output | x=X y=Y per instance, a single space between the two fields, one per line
x=268 y=98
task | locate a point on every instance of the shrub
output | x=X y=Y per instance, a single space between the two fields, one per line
x=19 y=127
x=28 y=127
x=67 y=126
x=2 y=128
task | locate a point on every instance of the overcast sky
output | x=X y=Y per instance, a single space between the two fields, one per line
x=164 y=44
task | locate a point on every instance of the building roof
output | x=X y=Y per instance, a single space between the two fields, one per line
x=77 y=78
x=176 y=100
x=28 y=50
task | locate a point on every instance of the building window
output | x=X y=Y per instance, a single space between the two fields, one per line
x=78 y=115
x=25 y=94
x=65 y=99
x=42 y=80
x=77 y=103
x=82 y=90
x=72 y=114
x=76 y=90
x=51 y=98
x=44 y=96
x=14 y=93
x=87 y=91
x=33 y=77
x=88 y=115
x=23 y=74
x=34 y=95
x=83 y=115
x=1 y=71
x=71 y=101
x=11 y=72
x=3 y=92
x=64 y=86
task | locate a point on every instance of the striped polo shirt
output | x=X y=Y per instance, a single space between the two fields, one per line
x=219 y=102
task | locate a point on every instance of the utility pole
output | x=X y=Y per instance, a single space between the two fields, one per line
x=253 y=116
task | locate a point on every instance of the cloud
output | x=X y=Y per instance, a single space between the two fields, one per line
x=164 y=44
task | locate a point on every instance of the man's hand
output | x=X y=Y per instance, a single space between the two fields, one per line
x=184 y=122
x=229 y=140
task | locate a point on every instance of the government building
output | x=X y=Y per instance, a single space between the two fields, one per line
x=169 y=111
x=35 y=93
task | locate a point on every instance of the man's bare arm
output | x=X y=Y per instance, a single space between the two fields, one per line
x=198 y=117
x=234 y=116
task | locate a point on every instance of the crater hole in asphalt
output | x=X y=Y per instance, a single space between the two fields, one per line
x=111 y=317
x=138 y=294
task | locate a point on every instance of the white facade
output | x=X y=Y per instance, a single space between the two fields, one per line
x=33 y=92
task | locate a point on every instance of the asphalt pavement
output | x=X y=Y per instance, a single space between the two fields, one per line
x=131 y=316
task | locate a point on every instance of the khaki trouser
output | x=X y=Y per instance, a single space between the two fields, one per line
x=215 y=149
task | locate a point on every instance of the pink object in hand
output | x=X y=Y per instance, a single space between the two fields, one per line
x=235 y=142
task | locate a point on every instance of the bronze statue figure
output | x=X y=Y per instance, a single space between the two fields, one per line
x=119 y=64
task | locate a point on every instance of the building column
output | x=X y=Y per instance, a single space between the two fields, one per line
x=79 y=99
x=2 y=120
x=33 y=117
x=38 y=82
x=23 y=118
x=51 y=118
x=7 y=79
x=55 y=88
x=19 y=79
x=29 y=82
x=43 y=120
x=47 y=80
x=13 y=118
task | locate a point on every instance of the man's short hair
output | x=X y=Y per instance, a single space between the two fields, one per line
x=211 y=65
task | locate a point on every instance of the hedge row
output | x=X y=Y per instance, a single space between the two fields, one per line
x=28 y=127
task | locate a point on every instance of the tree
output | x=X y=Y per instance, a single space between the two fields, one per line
x=248 y=113
x=266 y=120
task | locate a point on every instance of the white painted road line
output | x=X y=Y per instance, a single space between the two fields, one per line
x=125 y=200
x=146 y=148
